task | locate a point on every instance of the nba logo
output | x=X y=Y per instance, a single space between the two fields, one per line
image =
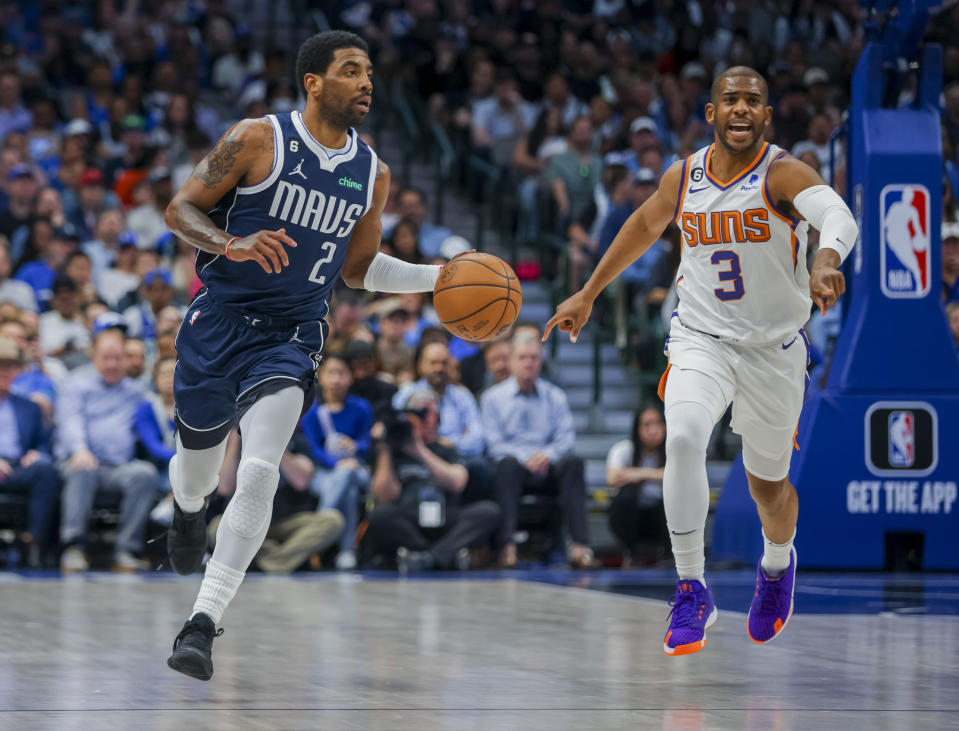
x=902 y=439
x=904 y=241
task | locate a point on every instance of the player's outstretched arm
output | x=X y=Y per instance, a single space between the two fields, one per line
x=244 y=153
x=798 y=190
x=641 y=230
x=366 y=268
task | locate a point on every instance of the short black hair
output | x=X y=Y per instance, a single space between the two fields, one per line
x=316 y=53
x=733 y=71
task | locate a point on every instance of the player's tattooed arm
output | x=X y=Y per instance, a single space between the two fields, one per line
x=245 y=152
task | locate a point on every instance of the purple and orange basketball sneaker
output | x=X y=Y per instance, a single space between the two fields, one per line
x=772 y=604
x=693 y=612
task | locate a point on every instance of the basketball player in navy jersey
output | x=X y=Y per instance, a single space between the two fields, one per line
x=282 y=207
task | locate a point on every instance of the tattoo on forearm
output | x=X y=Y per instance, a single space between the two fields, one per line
x=218 y=163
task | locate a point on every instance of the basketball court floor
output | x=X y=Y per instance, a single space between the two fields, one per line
x=526 y=650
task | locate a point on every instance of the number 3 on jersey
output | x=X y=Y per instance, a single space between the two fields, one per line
x=330 y=248
x=734 y=275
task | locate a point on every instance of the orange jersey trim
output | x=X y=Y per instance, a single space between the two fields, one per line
x=738 y=176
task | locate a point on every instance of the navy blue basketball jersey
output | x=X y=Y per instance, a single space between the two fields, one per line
x=315 y=193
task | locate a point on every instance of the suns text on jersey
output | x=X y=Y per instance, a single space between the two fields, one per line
x=725 y=227
x=312 y=209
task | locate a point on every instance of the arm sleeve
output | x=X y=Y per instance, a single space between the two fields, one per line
x=389 y=274
x=317 y=439
x=564 y=433
x=148 y=432
x=828 y=212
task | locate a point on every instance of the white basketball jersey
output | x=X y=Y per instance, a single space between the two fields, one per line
x=743 y=272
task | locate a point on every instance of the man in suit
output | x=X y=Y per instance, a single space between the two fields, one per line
x=25 y=466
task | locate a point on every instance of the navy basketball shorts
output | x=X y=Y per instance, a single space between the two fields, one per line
x=227 y=358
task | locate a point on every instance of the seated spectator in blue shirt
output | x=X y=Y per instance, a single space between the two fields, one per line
x=338 y=431
x=153 y=420
x=31 y=383
x=529 y=430
x=25 y=466
x=96 y=443
x=459 y=415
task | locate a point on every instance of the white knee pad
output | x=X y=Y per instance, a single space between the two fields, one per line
x=764 y=466
x=256 y=481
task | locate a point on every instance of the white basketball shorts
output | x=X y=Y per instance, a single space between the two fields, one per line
x=766 y=385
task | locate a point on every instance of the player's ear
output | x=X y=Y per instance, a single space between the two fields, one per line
x=313 y=84
x=769 y=114
x=710 y=113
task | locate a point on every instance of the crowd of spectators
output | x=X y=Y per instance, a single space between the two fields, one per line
x=106 y=107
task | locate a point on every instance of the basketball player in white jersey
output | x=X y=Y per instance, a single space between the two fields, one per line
x=743 y=207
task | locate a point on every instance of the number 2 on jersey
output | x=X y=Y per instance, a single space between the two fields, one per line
x=330 y=248
x=734 y=275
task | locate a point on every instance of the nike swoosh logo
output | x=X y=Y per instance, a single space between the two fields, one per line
x=684 y=533
x=696 y=190
x=789 y=343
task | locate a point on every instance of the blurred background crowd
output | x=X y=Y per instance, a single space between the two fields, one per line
x=556 y=118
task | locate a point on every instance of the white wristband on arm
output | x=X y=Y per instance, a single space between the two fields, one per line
x=389 y=274
x=827 y=211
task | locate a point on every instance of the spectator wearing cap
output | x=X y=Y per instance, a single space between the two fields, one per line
x=394 y=353
x=643 y=136
x=146 y=220
x=950 y=262
x=11 y=290
x=121 y=280
x=156 y=293
x=817 y=84
x=14 y=117
x=651 y=269
x=360 y=355
x=92 y=199
x=62 y=332
x=411 y=206
x=96 y=443
x=40 y=274
x=25 y=466
x=21 y=207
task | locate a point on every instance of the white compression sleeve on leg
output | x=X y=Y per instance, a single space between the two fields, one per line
x=266 y=429
x=194 y=474
x=827 y=211
x=389 y=274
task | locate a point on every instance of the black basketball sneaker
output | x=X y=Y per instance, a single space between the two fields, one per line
x=193 y=647
x=186 y=539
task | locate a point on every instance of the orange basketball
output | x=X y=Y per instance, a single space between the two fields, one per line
x=477 y=296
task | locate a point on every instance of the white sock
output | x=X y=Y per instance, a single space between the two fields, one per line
x=776 y=555
x=217 y=590
x=690 y=556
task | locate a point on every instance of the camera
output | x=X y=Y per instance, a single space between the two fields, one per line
x=398 y=428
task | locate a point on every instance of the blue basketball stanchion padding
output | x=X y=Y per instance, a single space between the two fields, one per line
x=879 y=442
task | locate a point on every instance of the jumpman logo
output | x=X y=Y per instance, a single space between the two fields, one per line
x=298 y=169
x=251 y=320
x=296 y=336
